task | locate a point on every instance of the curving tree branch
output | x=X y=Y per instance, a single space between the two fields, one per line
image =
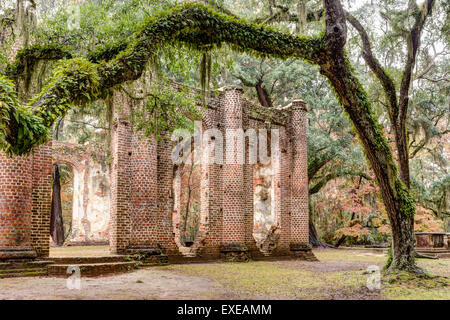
x=78 y=81
x=377 y=68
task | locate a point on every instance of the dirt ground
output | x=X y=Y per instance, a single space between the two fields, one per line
x=340 y=274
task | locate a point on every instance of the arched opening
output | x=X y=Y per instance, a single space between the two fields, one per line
x=189 y=203
x=84 y=194
x=62 y=203
x=190 y=187
x=265 y=229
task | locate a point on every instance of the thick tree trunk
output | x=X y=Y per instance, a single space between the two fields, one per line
x=340 y=241
x=56 y=222
x=313 y=236
x=403 y=154
x=403 y=253
x=263 y=95
x=398 y=201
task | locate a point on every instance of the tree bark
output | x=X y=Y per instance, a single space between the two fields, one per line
x=263 y=95
x=56 y=222
x=397 y=199
x=313 y=236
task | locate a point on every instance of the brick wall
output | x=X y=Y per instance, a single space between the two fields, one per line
x=146 y=186
x=234 y=212
x=143 y=191
x=15 y=205
x=25 y=199
x=120 y=223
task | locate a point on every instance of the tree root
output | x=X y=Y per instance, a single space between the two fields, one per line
x=422 y=279
x=404 y=273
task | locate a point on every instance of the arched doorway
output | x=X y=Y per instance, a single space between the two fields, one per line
x=265 y=178
x=187 y=213
x=62 y=203
x=85 y=193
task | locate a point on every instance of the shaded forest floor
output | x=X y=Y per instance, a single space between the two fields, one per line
x=340 y=274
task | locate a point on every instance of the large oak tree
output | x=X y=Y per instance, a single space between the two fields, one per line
x=81 y=80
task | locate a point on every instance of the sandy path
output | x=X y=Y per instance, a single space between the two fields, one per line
x=142 y=284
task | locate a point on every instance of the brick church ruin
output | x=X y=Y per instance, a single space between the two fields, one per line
x=136 y=201
x=146 y=190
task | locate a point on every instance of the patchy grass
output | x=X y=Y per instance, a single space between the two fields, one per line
x=275 y=280
x=374 y=256
x=405 y=286
x=340 y=274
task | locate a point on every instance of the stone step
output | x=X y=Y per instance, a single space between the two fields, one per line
x=13 y=273
x=91 y=269
x=433 y=250
x=19 y=265
x=38 y=264
x=5 y=265
x=90 y=260
x=157 y=260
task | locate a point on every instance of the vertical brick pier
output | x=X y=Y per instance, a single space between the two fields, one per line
x=25 y=199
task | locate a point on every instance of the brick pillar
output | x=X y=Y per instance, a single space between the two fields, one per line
x=282 y=185
x=165 y=197
x=299 y=179
x=121 y=152
x=211 y=186
x=15 y=207
x=144 y=194
x=234 y=230
x=249 y=189
x=41 y=199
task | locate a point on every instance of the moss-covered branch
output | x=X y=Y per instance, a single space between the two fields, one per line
x=18 y=121
x=28 y=57
x=376 y=67
x=80 y=80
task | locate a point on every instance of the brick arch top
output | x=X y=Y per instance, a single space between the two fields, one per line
x=71 y=154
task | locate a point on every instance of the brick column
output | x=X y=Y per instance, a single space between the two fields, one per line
x=165 y=198
x=120 y=175
x=282 y=186
x=144 y=195
x=211 y=227
x=41 y=199
x=299 y=179
x=233 y=234
x=15 y=207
